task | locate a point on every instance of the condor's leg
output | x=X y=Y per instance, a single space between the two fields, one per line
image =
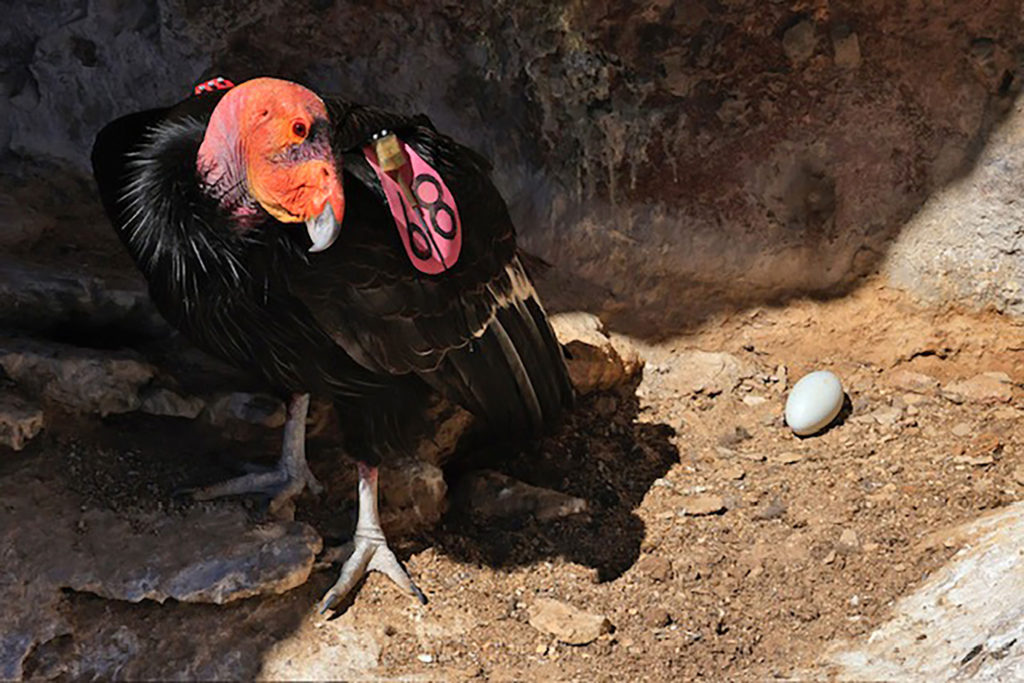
x=287 y=479
x=368 y=550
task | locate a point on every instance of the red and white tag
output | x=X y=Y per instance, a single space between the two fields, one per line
x=430 y=231
x=219 y=83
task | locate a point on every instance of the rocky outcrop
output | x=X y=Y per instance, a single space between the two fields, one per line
x=75 y=306
x=52 y=540
x=596 y=359
x=965 y=243
x=81 y=379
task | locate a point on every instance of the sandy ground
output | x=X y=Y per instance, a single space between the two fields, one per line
x=812 y=541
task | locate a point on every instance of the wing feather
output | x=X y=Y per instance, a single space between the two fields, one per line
x=477 y=331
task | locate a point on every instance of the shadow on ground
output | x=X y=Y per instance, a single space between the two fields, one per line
x=602 y=455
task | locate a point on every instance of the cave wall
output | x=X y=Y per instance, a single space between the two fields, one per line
x=670 y=156
x=966 y=243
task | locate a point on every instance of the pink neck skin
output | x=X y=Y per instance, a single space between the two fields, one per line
x=221 y=159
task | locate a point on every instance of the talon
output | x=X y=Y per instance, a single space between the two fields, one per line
x=282 y=483
x=268 y=483
x=313 y=484
x=370 y=551
x=370 y=555
x=183 y=492
x=329 y=601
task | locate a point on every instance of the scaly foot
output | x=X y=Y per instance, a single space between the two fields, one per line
x=284 y=482
x=368 y=550
x=366 y=555
x=279 y=485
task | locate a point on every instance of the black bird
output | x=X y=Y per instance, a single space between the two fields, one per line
x=422 y=291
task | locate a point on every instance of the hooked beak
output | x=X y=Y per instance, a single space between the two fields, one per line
x=323 y=229
x=308 y=193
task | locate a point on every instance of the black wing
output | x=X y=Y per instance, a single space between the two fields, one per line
x=477 y=332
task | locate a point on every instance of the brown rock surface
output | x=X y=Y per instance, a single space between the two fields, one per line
x=595 y=360
x=52 y=541
x=81 y=379
x=675 y=158
x=492 y=494
x=567 y=623
x=20 y=420
x=763 y=588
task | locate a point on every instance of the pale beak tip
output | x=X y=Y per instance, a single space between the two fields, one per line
x=323 y=230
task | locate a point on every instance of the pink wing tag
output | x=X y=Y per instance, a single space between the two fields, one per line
x=431 y=231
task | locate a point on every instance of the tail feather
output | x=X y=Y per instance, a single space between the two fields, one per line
x=536 y=353
x=513 y=376
x=529 y=405
x=560 y=392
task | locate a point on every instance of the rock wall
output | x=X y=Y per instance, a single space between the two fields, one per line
x=729 y=149
x=965 y=244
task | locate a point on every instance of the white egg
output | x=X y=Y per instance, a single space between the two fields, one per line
x=814 y=402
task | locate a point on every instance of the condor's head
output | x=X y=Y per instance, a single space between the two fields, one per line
x=267 y=145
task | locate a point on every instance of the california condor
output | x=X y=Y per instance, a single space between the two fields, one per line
x=406 y=280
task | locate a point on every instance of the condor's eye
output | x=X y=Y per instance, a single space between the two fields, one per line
x=300 y=130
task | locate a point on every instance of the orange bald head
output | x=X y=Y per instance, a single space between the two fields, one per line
x=272 y=137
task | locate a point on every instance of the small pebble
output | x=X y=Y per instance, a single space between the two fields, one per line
x=984 y=444
x=773 y=510
x=425 y=658
x=910 y=381
x=988 y=387
x=847 y=51
x=657 y=617
x=733 y=437
x=962 y=429
x=698 y=506
x=781 y=375
x=734 y=472
x=566 y=622
x=848 y=542
x=656 y=567
x=887 y=416
x=788 y=458
x=978 y=461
